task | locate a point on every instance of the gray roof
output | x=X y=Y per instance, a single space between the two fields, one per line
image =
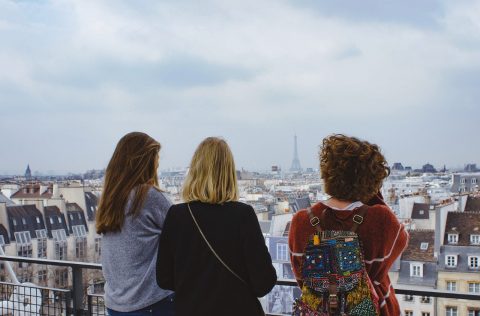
x=462 y=260
x=429 y=274
x=421 y=211
x=4 y=199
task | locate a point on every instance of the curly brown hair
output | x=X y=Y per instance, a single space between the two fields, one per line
x=352 y=169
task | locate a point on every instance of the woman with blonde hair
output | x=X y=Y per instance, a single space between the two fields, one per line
x=130 y=218
x=212 y=252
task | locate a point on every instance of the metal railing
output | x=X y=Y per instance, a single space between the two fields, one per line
x=75 y=298
x=21 y=299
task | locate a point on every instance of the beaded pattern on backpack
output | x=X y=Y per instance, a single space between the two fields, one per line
x=338 y=254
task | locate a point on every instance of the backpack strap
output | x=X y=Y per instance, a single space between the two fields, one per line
x=314 y=220
x=358 y=218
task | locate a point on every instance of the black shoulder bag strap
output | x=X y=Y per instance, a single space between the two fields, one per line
x=211 y=248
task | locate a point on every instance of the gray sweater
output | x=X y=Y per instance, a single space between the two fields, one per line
x=129 y=257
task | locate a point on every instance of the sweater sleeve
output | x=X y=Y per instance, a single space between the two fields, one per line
x=392 y=241
x=296 y=244
x=165 y=256
x=261 y=273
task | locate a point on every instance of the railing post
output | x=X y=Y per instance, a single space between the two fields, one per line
x=78 y=294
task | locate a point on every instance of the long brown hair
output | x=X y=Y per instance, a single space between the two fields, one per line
x=212 y=177
x=133 y=167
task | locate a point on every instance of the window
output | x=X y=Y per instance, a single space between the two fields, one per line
x=424 y=246
x=42 y=276
x=474 y=180
x=38 y=220
x=416 y=269
x=425 y=314
x=24 y=222
x=282 y=252
x=71 y=217
x=80 y=247
x=61 y=277
x=451 y=261
x=463 y=180
x=59 y=219
x=42 y=242
x=80 y=240
x=408 y=298
x=425 y=299
x=475 y=239
x=474 y=287
x=451 y=311
x=24 y=246
x=452 y=238
x=473 y=312
x=51 y=220
x=452 y=286
x=473 y=262
x=98 y=245
x=79 y=231
x=421 y=212
x=408 y=313
x=60 y=239
x=14 y=221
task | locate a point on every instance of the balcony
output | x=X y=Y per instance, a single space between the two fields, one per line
x=19 y=299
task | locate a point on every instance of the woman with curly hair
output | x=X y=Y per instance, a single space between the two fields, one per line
x=353 y=171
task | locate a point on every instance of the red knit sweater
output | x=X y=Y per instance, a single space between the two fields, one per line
x=382 y=236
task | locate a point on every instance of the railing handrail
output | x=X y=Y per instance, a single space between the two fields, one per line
x=36 y=287
x=62 y=263
x=399 y=289
x=78 y=295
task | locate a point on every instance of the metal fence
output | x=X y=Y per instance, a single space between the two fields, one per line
x=29 y=299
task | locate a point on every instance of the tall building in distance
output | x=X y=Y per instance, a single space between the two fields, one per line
x=295 y=162
x=28 y=173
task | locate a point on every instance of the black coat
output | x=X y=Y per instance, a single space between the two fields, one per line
x=202 y=285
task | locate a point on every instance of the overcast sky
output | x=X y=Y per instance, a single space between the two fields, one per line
x=75 y=76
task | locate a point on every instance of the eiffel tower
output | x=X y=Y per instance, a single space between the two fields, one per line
x=295 y=162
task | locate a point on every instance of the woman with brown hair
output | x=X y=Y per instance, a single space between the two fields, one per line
x=212 y=252
x=130 y=218
x=352 y=171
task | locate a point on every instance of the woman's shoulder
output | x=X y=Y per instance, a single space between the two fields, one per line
x=154 y=194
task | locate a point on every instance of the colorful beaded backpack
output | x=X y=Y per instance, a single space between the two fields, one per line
x=335 y=282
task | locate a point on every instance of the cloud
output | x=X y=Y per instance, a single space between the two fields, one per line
x=253 y=72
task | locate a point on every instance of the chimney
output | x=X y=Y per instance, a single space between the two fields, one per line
x=3 y=215
x=55 y=193
x=441 y=213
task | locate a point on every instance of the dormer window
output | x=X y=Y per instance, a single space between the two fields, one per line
x=38 y=220
x=421 y=212
x=51 y=220
x=475 y=239
x=453 y=238
x=416 y=270
x=474 y=262
x=71 y=217
x=451 y=261
x=24 y=222
x=59 y=219
x=424 y=246
x=14 y=221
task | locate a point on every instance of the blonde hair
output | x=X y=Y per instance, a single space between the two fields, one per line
x=212 y=177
